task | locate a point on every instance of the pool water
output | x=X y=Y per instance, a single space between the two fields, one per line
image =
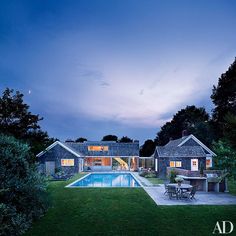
x=106 y=180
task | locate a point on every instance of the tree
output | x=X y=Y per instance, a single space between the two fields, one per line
x=80 y=140
x=22 y=189
x=18 y=121
x=69 y=140
x=148 y=148
x=224 y=98
x=200 y=130
x=191 y=119
x=110 y=137
x=226 y=157
x=125 y=139
x=230 y=129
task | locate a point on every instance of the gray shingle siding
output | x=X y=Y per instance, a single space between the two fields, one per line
x=59 y=152
x=184 y=153
x=175 y=142
x=190 y=142
x=56 y=154
x=114 y=149
x=164 y=162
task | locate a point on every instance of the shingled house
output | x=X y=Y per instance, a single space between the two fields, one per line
x=72 y=157
x=187 y=153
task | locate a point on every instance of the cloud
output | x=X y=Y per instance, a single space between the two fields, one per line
x=70 y=75
x=141 y=92
x=104 y=84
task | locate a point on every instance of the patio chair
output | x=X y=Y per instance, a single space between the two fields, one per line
x=173 y=192
x=190 y=195
x=166 y=189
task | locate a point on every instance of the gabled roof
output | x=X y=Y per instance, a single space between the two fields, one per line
x=114 y=148
x=81 y=149
x=62 y=145
x=184 y=151
x=177 y=148
x=197 y=141
x=176 y=142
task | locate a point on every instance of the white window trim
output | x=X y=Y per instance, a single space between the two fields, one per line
x=57 y=143
x=68 y=159
x=156 y=164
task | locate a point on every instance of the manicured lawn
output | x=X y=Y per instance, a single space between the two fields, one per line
x=155 y=180
x=123 y=211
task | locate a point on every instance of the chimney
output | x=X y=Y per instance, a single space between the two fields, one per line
x=184 y=133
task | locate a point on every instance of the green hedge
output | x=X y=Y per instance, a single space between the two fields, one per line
x=23 y=196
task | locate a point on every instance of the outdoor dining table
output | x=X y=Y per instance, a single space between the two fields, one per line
x=181 y=188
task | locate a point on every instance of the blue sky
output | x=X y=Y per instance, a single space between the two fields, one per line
x=123 y=67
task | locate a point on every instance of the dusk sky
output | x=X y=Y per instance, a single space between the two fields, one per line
x=122 y=67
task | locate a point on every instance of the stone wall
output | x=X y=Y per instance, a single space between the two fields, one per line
x=190 y=173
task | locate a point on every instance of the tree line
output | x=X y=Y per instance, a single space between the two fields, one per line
x=109 y=137
x=23 y=190
x=217 y=130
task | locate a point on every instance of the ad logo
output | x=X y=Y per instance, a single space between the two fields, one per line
x=223 y=227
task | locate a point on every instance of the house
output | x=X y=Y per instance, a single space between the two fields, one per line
x=72 y=157
x=187 y=153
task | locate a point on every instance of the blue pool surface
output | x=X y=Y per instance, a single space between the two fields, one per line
x=107 y=180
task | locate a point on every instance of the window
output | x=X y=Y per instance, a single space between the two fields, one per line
x=97 y=148
x=97 y=161
x=175 y=163
x=194 y=163
x=208 y=162
x=178 y=163
x=172 y=163
x=67 y=162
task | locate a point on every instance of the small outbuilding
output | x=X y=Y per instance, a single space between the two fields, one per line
x=187 y=153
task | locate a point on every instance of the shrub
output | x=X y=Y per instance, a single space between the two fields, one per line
x=143 y=173
x=151 y=175
x=179 y=180
x=147 y=174
x=22 y=189
x=172 y=176
x=201 y=169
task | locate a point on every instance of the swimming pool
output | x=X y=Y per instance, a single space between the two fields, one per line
x=106 y=180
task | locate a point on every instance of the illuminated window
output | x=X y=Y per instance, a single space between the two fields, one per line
x=172 y=163
x=208 y=162
x=67 y=162
x=97 y=161
x=178 y=164
x=194 y=163
x=97 y=148
x=175 y=164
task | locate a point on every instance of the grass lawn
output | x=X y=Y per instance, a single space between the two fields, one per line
x=123 y=211
x=155 y=180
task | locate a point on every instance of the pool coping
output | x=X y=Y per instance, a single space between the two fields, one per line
x=136 y=179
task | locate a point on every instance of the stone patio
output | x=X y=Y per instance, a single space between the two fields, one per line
x=156 y=192
x=202 y=198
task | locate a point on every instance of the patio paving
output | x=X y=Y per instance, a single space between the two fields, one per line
x=144 y=181
x=202 y=198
